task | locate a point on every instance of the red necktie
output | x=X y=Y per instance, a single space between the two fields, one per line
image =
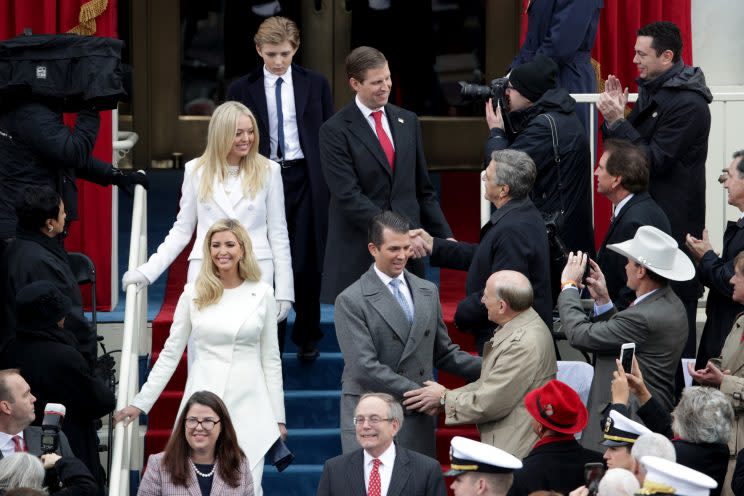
x=375 y=487
x=18 y=445
x=387 y=145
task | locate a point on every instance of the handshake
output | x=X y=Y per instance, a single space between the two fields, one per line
x=422 y=243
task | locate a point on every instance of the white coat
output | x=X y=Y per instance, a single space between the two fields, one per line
x=236 y=356
x=263 y=217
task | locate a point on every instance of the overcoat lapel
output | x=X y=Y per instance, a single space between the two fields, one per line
x=301 y=95
x=220 y=198
x=258 y=94
x=421 y=297
x=383 y=301
x=360 y=128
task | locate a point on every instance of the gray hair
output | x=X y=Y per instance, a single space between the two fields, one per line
x=703 y=415
x=618 y=482
x=395 y=411
x=515 y=169
x=21 y=470
x=740 y=164
x=653 y=444
x=515 y=289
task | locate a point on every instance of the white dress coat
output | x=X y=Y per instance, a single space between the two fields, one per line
x=263 y=217
x=236 y=357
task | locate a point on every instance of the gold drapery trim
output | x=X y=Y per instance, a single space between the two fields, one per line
x=87 y=18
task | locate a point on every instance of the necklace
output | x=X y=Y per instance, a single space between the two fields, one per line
x=202 y=474
x=233 y=171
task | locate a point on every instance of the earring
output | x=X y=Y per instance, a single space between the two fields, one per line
x=50 y=228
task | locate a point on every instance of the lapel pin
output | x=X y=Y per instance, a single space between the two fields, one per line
x=654 y=114
x=401 y=120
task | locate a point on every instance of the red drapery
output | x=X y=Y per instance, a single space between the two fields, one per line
x=92 y=233
x=618 y=23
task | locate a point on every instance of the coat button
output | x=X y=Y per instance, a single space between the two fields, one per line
x=395 y=337
x=421 y=372
x=427 y=332
x=401 y=371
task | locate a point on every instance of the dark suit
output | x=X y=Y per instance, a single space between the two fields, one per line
x=305 y=191
x=514 y=239
x=383 y=353
x=413 y=475
x=32 y=438
x=720 y=310
x=556 y=466
x=640 y=210
x=362 y=185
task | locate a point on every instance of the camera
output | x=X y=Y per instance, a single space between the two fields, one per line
x=496 y=91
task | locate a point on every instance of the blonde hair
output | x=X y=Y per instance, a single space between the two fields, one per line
x=276 y=30
x=209 y=288
x=220 y=139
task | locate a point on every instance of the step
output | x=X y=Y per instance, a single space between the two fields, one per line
x=295 y=480
x=323 y=373
x=312 y=408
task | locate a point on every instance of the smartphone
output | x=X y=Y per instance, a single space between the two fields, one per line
x=627 y=351
x=593 y=473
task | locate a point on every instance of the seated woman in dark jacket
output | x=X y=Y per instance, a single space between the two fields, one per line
x=55 y=370
x=25 y=470
x=700 y=426
x=37 y=254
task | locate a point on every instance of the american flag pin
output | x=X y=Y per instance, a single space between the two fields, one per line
x=401 y=120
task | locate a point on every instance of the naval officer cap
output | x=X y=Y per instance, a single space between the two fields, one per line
x=666 y=477
x=467 y=455
x=619 y=430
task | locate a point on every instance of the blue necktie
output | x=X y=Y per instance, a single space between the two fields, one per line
x=395 y=284
x=280 y=119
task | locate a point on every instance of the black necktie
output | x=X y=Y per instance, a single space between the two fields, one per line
x=279 y=119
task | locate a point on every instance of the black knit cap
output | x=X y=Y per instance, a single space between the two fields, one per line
x=534 y=78
x=40 y=305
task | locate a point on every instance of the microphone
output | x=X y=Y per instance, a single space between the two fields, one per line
x=54 y=414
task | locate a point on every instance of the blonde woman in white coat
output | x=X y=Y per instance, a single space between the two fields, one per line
x=230 y=180
x=229 y=314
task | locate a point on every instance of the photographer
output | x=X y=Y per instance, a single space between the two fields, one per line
x=544 y=125
x=68 y=475
x=57 y=372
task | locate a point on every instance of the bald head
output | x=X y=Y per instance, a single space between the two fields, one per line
x=507 y=294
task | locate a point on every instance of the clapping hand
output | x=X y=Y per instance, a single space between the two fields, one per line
x=698 y=247
x=613 y=101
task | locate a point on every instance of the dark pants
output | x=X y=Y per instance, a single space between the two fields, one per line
x=298 y=208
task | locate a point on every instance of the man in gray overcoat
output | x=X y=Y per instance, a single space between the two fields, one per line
x=653 y=321
x=390 y=329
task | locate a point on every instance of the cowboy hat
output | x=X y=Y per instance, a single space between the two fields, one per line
x=658 y=252
x=558 y=407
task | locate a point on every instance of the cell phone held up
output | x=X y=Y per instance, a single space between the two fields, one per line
x=593 y=473
x=627 y=351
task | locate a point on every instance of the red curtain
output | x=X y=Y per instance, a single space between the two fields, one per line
x=618 y=23
x=91 y=234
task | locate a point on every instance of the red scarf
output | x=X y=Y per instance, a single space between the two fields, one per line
x=556 y=438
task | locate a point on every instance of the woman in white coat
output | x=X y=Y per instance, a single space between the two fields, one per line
x=230 y=315
x=230 y=180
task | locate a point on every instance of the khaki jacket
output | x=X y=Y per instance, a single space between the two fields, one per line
x=519 y=358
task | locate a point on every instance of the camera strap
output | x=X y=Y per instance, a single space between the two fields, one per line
x=556 y=156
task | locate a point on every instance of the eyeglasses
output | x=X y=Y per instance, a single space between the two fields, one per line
x=373 y=420
x=207 y=424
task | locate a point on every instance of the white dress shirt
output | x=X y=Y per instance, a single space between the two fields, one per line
x=367 y=112
x=7 y=446
x=387 y=459
x=621 y=204
x=404 y=289
x=600 y=309
x=292 y=150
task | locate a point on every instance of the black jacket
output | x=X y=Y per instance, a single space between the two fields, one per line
x=32 y=256
x=572 y=192
x=58 y=373
x=640 y=210
x=720 y=310
x=37 y=148
x=514 y=239
x=671 y=122
x=557 y=466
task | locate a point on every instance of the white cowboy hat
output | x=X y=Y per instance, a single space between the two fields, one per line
x=658 y=252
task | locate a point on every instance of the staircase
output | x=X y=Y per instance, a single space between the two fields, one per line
x=312 y=390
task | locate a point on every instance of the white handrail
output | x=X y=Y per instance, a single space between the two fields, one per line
x=135 y=321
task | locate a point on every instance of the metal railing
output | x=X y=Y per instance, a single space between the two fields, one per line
x=721 y=144
x=125 y=452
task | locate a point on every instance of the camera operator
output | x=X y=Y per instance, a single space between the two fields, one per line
x=544 y=125
x=57 y=372
x=70 y=477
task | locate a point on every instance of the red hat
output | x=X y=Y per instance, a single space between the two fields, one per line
x=557 y=407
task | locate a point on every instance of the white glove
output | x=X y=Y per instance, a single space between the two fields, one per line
x=282 y=307
x=135 y=277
